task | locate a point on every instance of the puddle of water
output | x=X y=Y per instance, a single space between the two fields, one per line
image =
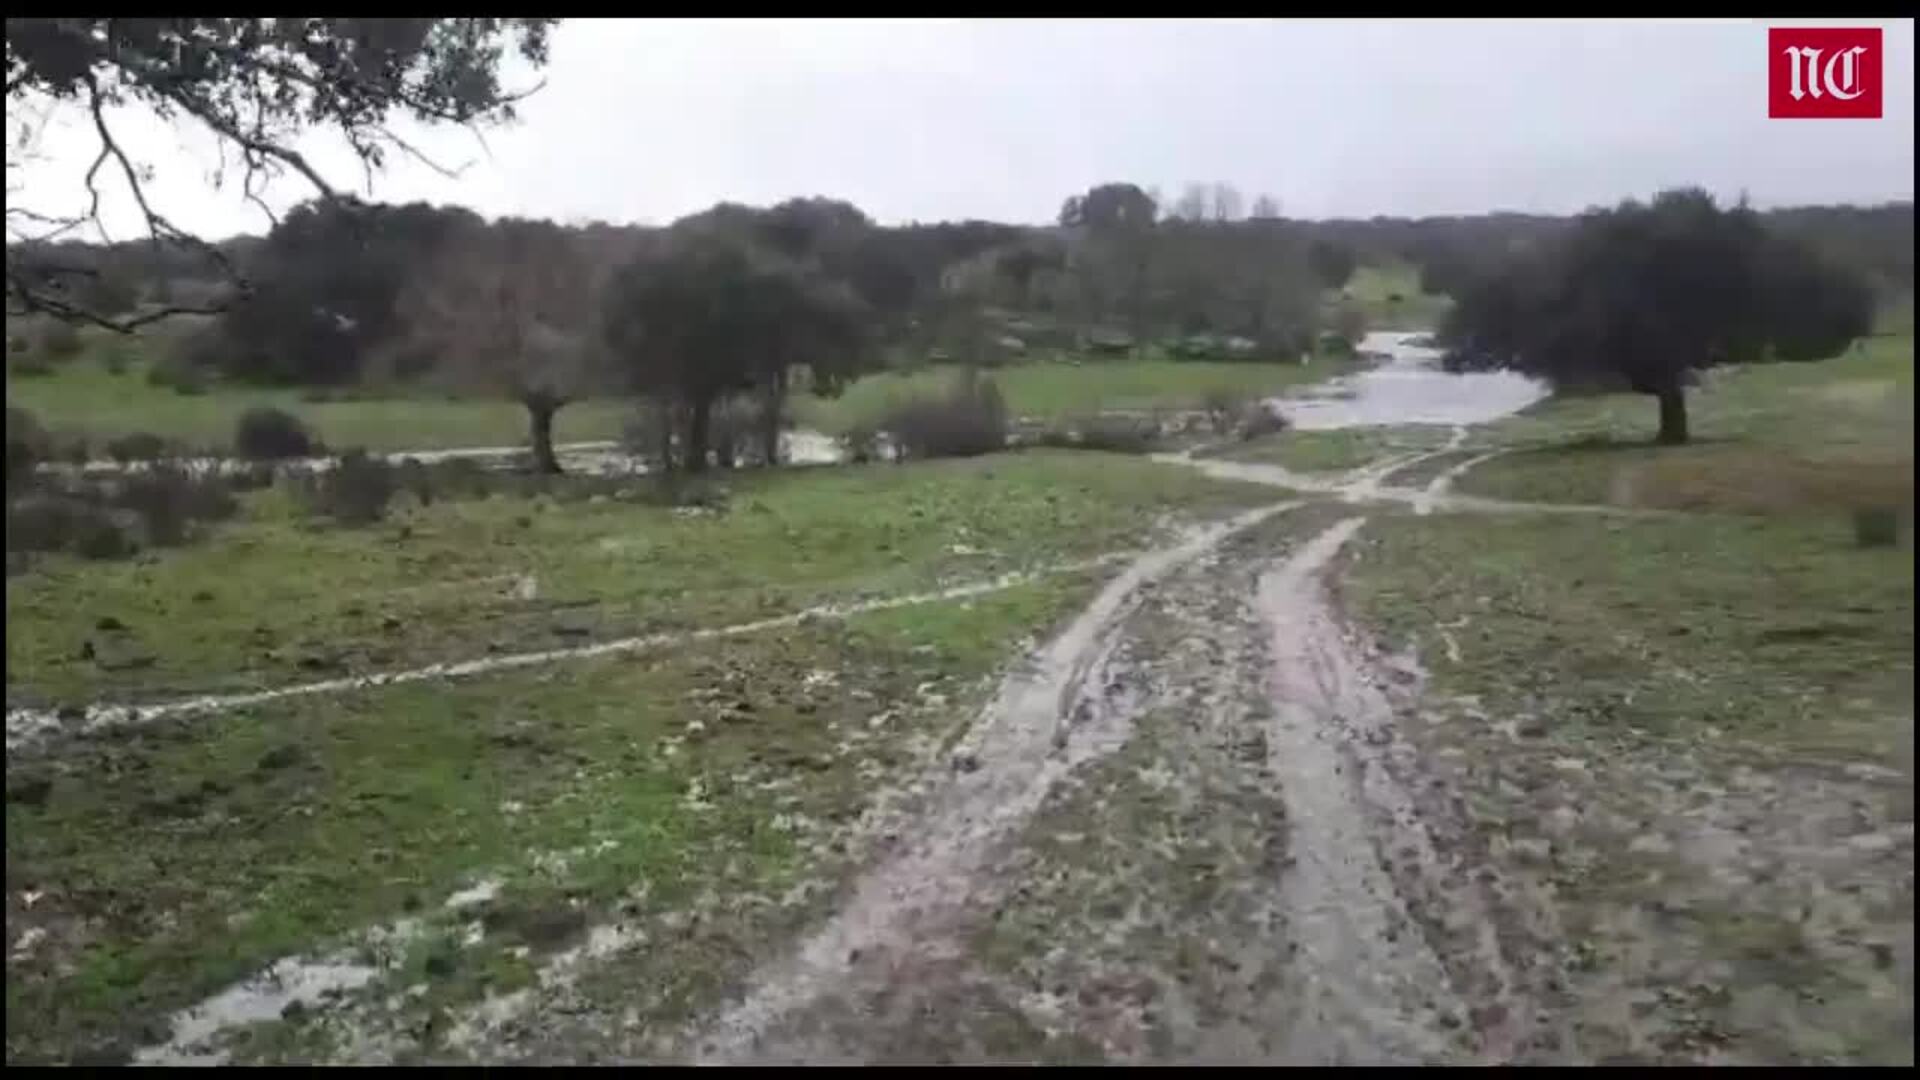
x=1409 y=387
x=290 y=981
x=478 y=894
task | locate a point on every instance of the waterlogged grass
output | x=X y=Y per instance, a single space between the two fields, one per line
x=1052 y=390
x=1337 y=451
x=278 y=598
x=1781 y=634
x=1780 y=438
x=81 y=396
x=166 y=863
x=1698 y=732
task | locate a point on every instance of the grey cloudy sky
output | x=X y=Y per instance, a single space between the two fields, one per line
x=648 y=120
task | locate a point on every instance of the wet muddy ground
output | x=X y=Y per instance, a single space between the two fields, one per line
x=1213 y=820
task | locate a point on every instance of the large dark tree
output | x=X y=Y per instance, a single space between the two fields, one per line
x=258 y=85
x=712 y=314
x=1643 y=295
x=325 y=287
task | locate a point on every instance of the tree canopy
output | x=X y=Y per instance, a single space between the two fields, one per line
x=257 y=85
x=1643 y=294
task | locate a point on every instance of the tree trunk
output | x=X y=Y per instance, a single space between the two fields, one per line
x=1673 y=414
x=540 y=412
x=697 y=425
x=770 y=421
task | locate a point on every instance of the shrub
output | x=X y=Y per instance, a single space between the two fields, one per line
x=28 y=444
x=136 y=446
x=413 y=477
x=181 y=378
x=74 y=450
x=1876 y=526
x=170 y=498
x=967 y=419
x=458 y=478
x=1261 y=419
x=1223 y=408
x=186 y=366
x=60 y=340
x=356 y=490
x=65 y=523
x=267 y=434
x=100 y=534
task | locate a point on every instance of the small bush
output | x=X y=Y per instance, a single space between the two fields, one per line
x=28 y=444
x=967 y=419
x=170 y=498
x=181 y=378
x=115 y=359
x=356 y=490
x=1259 y=420
x=186 y=367
x=52 y=523
x=99 y=534
x=30 y=365
x=74 y=450
x=1876 y=526
x=137 y=446
x=60 y=340
x=459 y=478
x=1223 y=408
x=268 y=434
x=413 y=477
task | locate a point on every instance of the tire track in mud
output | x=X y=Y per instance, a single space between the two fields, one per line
x=902 y=914
x=1397 y=946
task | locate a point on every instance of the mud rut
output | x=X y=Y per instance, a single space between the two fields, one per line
x=1378 y=936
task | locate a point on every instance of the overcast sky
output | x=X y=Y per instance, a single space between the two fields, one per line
x=645 y=121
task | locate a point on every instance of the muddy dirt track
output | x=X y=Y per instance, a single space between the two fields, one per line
x=1363 y=930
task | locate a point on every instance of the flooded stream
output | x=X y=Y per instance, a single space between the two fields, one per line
x=1408 y=387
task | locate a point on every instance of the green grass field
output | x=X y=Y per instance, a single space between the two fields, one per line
x=1777 y=438
x=1374 y=287
x=275 y=597
x=82 y=396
